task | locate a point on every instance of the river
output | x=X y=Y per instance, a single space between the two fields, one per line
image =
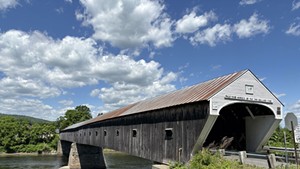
x=114 y=160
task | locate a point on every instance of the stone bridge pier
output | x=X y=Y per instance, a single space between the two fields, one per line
x=82 y=156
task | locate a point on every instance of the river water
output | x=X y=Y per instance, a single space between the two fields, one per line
x=114 y=160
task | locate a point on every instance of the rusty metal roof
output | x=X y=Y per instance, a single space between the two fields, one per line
x=200 y=92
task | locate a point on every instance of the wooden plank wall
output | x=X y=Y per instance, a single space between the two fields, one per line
x=186 y=123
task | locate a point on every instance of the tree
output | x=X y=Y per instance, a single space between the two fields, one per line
x=277 y=138
x=20 y=135
x=73 y=116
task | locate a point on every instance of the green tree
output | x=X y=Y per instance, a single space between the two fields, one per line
x=21 y=135
x=277 y=139
x=79 y=114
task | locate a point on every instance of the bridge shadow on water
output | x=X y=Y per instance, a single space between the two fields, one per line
x=118 y=160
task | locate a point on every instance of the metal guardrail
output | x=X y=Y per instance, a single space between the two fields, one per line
x=281 y=149
x=262 y=156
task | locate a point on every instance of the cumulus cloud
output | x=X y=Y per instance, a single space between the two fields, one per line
x=63 y=62
x=32 y=107
x=66 y=102
x=128 y=23
x=249 y=2
x=295 y=5
x=5 y=4
x=294 y=29
x=190 y=23
x=295 y=108
x=122 y=94
x=251 y=27
x=17 y=86
x=35 y=66
x=223 y=32
x=213 y=35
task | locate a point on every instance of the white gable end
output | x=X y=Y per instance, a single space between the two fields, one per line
x=245 y=89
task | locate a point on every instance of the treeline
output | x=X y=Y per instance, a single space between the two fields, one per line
x=27 y=134
x=21 y=135
x=28 y=118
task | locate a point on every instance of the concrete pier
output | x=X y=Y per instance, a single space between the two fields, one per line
x=86 y=157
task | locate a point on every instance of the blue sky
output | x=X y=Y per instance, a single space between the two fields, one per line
x=58 y=54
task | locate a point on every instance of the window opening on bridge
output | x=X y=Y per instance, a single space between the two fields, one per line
x=96 y=133
x=80 y=134
x=84 y=134
x=278 y=110
x=90 y=133
x=168 y=133
x=104 y=132
x=134 y=132
x=117 y=132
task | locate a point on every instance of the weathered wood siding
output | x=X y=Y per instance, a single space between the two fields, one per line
x=186 y=122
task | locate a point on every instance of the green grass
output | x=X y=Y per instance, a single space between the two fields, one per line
x=207 y=160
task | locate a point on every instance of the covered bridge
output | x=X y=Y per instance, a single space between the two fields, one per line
x=174 y=126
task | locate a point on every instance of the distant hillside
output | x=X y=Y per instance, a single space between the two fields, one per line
x=30 y=119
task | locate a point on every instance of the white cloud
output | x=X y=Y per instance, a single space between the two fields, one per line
x=17 y=86
x=216 y=67
x=69 y=1
x=95 y=92
x=59 y=10
x=213 y=35
x=36 y=66
x=294 y=29
x=190 y=23
x=223 y=32
x=122 y=68
x=128 y=23
x=262 y=78
x=66 y=102
x=279 y=95
x=64 y=63
x=121 y=94
x=295 y=108
x=5 y=4
x=295 y=5
x=249 y=2
x=251 y=27
x=25 y=106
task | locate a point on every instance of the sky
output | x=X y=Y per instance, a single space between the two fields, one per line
x=58 y=54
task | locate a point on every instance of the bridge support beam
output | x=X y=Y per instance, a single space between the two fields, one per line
x=86 y=157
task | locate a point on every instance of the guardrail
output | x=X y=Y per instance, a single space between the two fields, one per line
x=281 y=149
x=270 y=158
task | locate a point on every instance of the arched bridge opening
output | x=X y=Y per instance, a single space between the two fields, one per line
x=240 y=126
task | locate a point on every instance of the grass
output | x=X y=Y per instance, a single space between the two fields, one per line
x=207 y=160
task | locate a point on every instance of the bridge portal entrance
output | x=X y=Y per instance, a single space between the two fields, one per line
x=240 y=126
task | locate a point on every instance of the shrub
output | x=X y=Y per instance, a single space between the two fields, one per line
x=2 y=149
x=207 y=160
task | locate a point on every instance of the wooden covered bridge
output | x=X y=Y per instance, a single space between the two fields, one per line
x=174 y=126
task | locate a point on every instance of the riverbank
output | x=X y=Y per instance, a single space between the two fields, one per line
x=2 y=154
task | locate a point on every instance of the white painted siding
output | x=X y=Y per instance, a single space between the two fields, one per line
x=237 y=88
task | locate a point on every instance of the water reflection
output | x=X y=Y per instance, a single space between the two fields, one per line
x=114 y=160
x=117 y=160
x=32 y=162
